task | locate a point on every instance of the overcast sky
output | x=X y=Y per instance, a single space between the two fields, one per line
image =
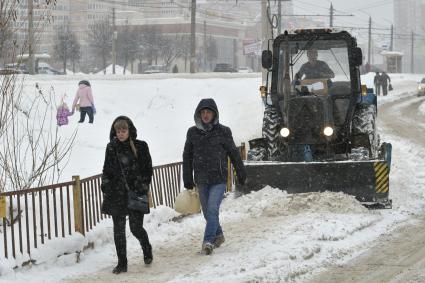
x=381 y=11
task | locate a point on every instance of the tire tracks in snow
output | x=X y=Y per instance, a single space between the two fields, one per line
x=399 y=256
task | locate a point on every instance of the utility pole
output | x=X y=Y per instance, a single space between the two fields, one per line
x=279 y=17
x=331 y=16
x=205 y=45
x=192 y=37
x=412 y=61
x=31 y=61
x=266 y=34
x=114 y=42
x=392 y=38
x=369 y=44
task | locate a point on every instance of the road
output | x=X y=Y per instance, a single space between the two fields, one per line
x=400 y=256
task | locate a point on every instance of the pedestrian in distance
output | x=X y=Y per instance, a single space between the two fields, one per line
x=62 y=114
x=206 y=151
x=127 y=166
x=377 y=83
x=84 y=98
x=385 y=82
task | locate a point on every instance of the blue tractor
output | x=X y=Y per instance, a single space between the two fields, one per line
x=319 y=126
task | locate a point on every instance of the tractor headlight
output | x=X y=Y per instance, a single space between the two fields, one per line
x=328 y=131
x=284 y=132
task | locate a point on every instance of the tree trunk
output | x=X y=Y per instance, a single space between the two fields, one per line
x=64 y=62
x=104 y=63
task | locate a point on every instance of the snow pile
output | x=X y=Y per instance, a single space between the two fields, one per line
x=118 y=70
x=275 y=202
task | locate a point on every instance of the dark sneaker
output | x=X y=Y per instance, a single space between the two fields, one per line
x=120 y=268
x=207 y=248
x=218 y=241
x=147 y=255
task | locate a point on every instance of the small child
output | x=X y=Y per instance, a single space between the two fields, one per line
x=62 y=114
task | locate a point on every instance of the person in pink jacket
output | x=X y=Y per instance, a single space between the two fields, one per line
x=85 y=98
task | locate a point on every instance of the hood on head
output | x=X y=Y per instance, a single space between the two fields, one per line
x=84 y=83
x=132 y=131
x=205 y=103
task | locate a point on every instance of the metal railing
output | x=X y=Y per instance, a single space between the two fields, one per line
x=40 y=214
x=32 y=213
x=59 y=210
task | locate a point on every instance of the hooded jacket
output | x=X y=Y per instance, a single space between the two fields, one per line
x=206 y=151
x=121 y=162
x=84 y=96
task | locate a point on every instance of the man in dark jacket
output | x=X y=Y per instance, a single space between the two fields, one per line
x=385 y=81
x=377 y=82
x=208 y=145
x=128 y=166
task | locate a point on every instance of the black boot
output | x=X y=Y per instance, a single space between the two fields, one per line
x=121 y=267
x=147 y=254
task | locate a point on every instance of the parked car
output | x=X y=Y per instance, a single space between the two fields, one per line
x=421 y=88
x=15 y=68
x=224 y=67
x=156 y=69
x=44 y=68
x=244 y=70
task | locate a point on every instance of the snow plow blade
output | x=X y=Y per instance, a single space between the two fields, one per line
x=368 y=180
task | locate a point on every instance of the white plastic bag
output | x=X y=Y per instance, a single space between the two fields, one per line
x=187 y=202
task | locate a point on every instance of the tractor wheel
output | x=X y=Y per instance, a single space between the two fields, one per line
x=364 y=124
x=271 y=123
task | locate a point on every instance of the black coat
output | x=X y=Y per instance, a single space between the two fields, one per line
x=206 y=151
x=137 y=171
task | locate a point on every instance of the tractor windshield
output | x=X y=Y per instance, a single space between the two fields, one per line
x=313 y=67
x=317 y=68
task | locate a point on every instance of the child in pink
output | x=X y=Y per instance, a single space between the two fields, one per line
x=62 y=114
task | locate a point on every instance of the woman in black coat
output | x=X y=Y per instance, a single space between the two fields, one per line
x=129 y=158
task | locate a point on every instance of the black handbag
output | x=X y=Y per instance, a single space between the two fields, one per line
x=137 y=201
x=390 y=87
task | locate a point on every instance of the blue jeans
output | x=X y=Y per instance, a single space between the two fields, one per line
x=211 y=197
x=304 y=152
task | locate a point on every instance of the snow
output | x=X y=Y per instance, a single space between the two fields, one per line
x=118 y=70
x=271 y=236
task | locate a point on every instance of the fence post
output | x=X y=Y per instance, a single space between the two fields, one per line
x=78 y=205
x=229 y=176
x=243 y=151
x=2 y=207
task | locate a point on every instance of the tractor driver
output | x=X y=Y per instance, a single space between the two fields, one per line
x=314 y=69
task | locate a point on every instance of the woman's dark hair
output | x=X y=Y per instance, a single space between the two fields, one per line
x=84 y=82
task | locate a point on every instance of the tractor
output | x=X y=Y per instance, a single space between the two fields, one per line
x=319 y=128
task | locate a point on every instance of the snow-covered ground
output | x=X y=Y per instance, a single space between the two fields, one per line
x=270 y=236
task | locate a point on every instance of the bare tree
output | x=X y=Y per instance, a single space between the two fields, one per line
x=212 y=51
x=66 y=46
x=184 y=45
x=32 y=153
x=170 y=49
x=128 y=45
x=75 y=49
x=101 y=40
x=151 y=42
x=8 y=42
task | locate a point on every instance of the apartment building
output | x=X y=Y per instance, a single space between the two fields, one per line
x=409 y=18
x=226 y=22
